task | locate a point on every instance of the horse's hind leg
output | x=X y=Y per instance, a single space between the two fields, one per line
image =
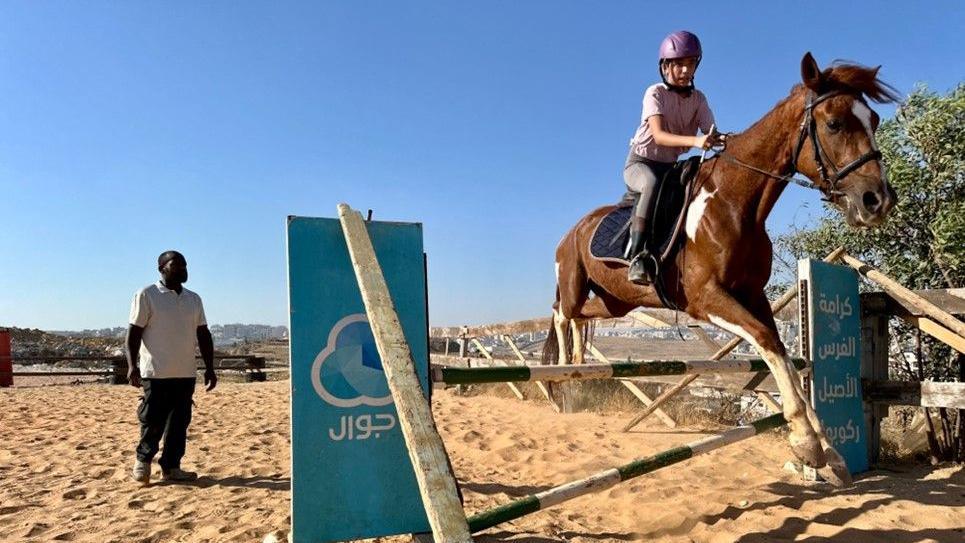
x=572 y=292
x=561 y=324
x=719 y=307
x=579 y=342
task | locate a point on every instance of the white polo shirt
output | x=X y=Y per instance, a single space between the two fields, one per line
x=170 y=321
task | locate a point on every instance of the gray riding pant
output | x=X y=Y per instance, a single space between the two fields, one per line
x=643 y=176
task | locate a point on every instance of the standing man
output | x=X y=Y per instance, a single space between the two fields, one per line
x=167 y=321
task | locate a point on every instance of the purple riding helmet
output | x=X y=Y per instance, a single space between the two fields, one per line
x=679 y=44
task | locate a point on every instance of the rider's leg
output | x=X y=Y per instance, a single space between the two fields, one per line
x=640 y=178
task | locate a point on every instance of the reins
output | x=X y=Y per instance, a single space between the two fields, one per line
x=807 y=132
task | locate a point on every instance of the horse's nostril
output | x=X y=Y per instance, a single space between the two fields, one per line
x=871 y=201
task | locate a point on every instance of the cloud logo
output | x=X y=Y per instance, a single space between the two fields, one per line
x=348 y=371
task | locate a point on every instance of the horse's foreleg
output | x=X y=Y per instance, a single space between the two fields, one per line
x=722 y=309
x=837 y=470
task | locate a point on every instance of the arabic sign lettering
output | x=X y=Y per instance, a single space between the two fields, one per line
x=834 y=322
x=351 y=474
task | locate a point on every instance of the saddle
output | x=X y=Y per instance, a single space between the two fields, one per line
x=611 y=238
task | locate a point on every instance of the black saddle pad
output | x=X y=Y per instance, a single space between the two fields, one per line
x=612 y=235
x=610 y=240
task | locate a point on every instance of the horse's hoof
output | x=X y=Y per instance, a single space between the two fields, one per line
x=836 y=471
x=808 y=451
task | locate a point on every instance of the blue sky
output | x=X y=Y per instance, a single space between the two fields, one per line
x=130 y=128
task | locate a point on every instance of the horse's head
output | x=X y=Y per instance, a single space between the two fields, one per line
x=836 y=148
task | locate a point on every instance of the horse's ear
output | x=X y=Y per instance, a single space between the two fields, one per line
x=810 y=73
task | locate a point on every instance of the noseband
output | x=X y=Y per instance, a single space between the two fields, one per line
x=807 y=132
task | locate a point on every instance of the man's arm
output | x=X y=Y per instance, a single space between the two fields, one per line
x=206 y=346
x=134 y=335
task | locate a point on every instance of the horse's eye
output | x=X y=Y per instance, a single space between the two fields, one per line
x=834 y=125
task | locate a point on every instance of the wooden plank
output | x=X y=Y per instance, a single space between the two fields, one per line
x=902 y=294
x=770 y=402
x=482 y=349
x=937 y=331
x=79 y=373
x=924 y=394
x=951 y=395
x=430 y=462
x=522 y=359
x=951 y=300
x=643 y=397
x=498 y=329
x=704 y=336
x=647 y=319
x=756 y=380
x=633 y=388
x=778 y=304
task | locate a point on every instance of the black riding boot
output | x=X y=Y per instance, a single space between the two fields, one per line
x=638 y=254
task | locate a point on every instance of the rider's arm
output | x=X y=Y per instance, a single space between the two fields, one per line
x=662 y=137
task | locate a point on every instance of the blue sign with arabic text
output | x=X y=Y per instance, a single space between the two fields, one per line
x=351 y=473
x=833 y=346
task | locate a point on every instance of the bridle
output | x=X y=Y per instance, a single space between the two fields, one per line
x=809 y=131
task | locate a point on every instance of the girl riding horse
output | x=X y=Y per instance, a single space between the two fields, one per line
x=672 y=113
x=825 y=131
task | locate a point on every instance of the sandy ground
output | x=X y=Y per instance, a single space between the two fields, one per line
x=65 y=453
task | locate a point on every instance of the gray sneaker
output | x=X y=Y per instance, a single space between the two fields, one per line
x=178 y=474
x=141 y=472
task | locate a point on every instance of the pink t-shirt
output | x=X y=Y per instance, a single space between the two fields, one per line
x=681 y=116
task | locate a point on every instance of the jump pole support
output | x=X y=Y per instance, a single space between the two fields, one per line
x=613 y=476
x=437 y=485
x=632 y=387
x=778 y=304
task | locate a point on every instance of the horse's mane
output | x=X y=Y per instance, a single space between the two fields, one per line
x=842 y=76
x=856 y=79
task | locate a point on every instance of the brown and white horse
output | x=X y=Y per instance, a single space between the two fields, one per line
x=825 y=131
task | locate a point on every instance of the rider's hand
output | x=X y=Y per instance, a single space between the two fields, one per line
x=709 y=141
x=704 y=142
x=719 y=139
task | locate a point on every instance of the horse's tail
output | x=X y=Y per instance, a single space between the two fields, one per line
x=551 y=348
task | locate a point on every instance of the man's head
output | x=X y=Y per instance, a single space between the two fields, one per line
x=173 y=267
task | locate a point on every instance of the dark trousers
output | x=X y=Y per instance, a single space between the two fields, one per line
x=165 y=410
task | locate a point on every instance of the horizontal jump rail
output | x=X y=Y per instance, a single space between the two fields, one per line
x=613 y=476
x=577 y=372
x=113 y=358
x=123 y=371
x=925 y=393
x=102 y=373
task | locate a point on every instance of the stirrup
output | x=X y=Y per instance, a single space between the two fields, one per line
x=643 y=279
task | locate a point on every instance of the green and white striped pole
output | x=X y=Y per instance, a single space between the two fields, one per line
x=611 y=477
x=573 y=372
